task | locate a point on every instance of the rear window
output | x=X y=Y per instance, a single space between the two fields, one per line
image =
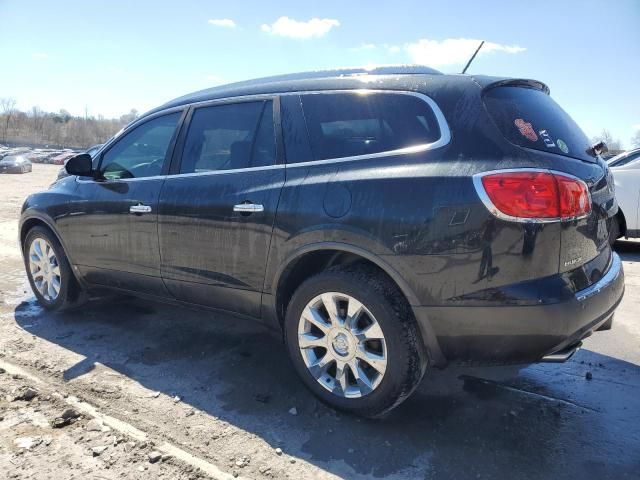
x=530 y=118
x=352 y=124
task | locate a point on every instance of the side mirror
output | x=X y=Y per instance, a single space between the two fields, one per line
x=79 y=165
x=599 y=148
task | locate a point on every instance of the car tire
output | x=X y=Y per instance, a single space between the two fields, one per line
x=614 y=231
x=361 y=390
x=49 y=272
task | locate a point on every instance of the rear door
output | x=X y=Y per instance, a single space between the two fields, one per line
x=218 y=208
x=530 y=119
x=112 y=227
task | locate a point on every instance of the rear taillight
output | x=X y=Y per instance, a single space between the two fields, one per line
x=529 y=195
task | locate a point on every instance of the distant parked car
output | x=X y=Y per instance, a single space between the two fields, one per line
x=60 y=159
x=626 y=176
x=91 y=151
x=15 y=164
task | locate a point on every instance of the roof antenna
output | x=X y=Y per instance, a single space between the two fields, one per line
x=474 y=56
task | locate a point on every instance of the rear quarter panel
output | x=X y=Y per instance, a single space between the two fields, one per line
x=420 y=214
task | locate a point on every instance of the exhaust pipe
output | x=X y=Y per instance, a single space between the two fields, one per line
x=561 y=355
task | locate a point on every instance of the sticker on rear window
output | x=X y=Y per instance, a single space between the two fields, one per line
x=526 y=130
x=546 y=138
x=562 y=146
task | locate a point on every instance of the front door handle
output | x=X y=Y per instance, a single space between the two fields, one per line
x=248 y=208
x=139 y=208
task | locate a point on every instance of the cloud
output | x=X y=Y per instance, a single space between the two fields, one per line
x=636 y=126
x=222 y=22
x=288 y=27
x=39 y=56
x=452 y=51
x=363 y=47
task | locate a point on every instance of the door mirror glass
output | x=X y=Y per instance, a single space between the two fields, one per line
x=79 y=165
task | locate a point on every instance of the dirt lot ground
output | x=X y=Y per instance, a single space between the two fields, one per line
x=143 y=390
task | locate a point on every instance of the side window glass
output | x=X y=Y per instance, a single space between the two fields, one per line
x=352 y=124
x=141 y=152
x=228 y=137
x=294 y=129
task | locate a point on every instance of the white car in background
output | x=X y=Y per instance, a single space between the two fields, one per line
x=626 y=174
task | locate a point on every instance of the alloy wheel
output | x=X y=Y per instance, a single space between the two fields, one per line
x=44 y=269
x=342 y=345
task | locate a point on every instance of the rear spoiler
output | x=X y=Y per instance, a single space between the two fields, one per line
x=519 y=82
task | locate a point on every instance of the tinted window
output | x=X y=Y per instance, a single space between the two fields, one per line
x=350 y=124
x=141 y=152
x=227 y=137
x=530 y=118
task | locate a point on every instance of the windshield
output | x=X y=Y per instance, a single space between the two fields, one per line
x=530 y=118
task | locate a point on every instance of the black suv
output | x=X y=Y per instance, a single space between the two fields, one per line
x=382 y=221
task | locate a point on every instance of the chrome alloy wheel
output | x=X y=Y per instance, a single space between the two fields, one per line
x=44 y=268
x=342 y=345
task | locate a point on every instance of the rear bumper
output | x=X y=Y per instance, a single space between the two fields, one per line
x=522 y=334
x=12 y=169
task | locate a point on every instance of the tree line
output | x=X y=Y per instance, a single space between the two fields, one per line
x=614 y=144
x=56 y=129
x=61 y=129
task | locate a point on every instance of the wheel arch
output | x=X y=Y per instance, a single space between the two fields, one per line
x=314 y=258
x=33 y=221
x=622 y=222
x=27 y=223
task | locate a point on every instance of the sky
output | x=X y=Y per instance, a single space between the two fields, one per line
x=107 y=57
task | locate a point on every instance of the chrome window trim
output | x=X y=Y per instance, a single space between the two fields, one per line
x=477 y=183
x=612 y=274
x=445 y=132
x=93 y=180
x=223 y=172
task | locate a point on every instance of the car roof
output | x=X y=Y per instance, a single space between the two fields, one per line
x=394 y=77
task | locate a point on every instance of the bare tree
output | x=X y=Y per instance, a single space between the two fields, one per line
x=37 y=123
x=129 y=117
x=606 y=137
x=56 y=128
x=635 y=140
x=8 y=107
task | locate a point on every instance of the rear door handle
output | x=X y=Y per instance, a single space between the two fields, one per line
x=139 y=208
x=248 y=208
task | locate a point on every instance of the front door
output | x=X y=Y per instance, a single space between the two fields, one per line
x=216 y=213
x=112 y=228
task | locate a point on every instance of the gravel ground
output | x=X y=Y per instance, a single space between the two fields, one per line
x=217 y=397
